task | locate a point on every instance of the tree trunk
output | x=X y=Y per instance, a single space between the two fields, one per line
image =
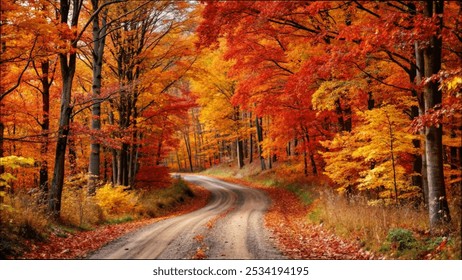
x=46 y=82
x=54 y=201
x=188 y=150
x=438 y=206
x=122 y=163
x=99 y=41
x=2 y=133
x=240 y=153
x=258 y=123
x=67 y=65
x=420 y=163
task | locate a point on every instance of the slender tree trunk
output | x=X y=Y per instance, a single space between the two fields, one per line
x=72 y=153
x=54 y=203
x=68 y=65
x=420 y=163
x=258 y=123
x=115 y=168
x=99 y=41
x=240 y=153
x=392 y=154
x=2 y=133
x=123 y=158
x=188 y=149
x=438 y=206
x=251 y=144
x=178 y=161
x=46 y=81
x=314 y=169
x=305 y=161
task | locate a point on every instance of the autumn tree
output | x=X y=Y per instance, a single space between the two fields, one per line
x=148 y=56
x=223 y=121
x=346 y=57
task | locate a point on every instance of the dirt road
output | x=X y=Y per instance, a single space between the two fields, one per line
x=230 y=226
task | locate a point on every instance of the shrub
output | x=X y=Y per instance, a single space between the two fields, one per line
x=21 y=217
x=116 y=201
x=401 y=239
x=80 y=209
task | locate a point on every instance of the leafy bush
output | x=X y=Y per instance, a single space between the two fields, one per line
x=80 y=209
x=116 y=201
x=401 y=239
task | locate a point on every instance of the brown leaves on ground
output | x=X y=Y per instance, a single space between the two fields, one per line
x=201 y=250
x=296 y=237
x=211 y=223
x=78 y=245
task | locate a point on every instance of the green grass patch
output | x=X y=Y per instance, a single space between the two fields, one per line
x=155 y=203
x=120 y=220
x=302 y=192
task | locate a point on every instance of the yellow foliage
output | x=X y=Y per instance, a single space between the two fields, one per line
x=369 y=158
x=115 y=201
x=454 y=85
x=78 y=208
x=12 y=162
x=15 y=161
x=329 y=92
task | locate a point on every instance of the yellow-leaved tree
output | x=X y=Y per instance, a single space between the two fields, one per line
x=224 y=122
x=375 y=157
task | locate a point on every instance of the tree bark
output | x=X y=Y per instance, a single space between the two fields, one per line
x=67 y=65
x=46 y=82
x=438 y=206
x=258 y=122
x=240 y=153
x=2 y=132
x=420 y=166
x=188 y=149
x=99 y=41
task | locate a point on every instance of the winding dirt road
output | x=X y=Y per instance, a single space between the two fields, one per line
x=230 y=226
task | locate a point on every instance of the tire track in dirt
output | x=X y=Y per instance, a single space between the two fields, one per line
x=230 y=226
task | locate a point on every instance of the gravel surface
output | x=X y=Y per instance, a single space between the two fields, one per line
x=230 y=226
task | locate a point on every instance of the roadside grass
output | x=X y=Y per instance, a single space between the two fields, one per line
x=23 y=219
x=392 y=232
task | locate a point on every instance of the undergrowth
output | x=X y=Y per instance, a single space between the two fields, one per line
x=23 y=217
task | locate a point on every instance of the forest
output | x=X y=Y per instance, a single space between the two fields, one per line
x=100 y=100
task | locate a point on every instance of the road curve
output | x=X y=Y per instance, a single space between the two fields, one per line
x=230 y=226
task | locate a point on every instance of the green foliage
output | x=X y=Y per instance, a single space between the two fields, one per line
x=302 y=193
x=401 y=239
